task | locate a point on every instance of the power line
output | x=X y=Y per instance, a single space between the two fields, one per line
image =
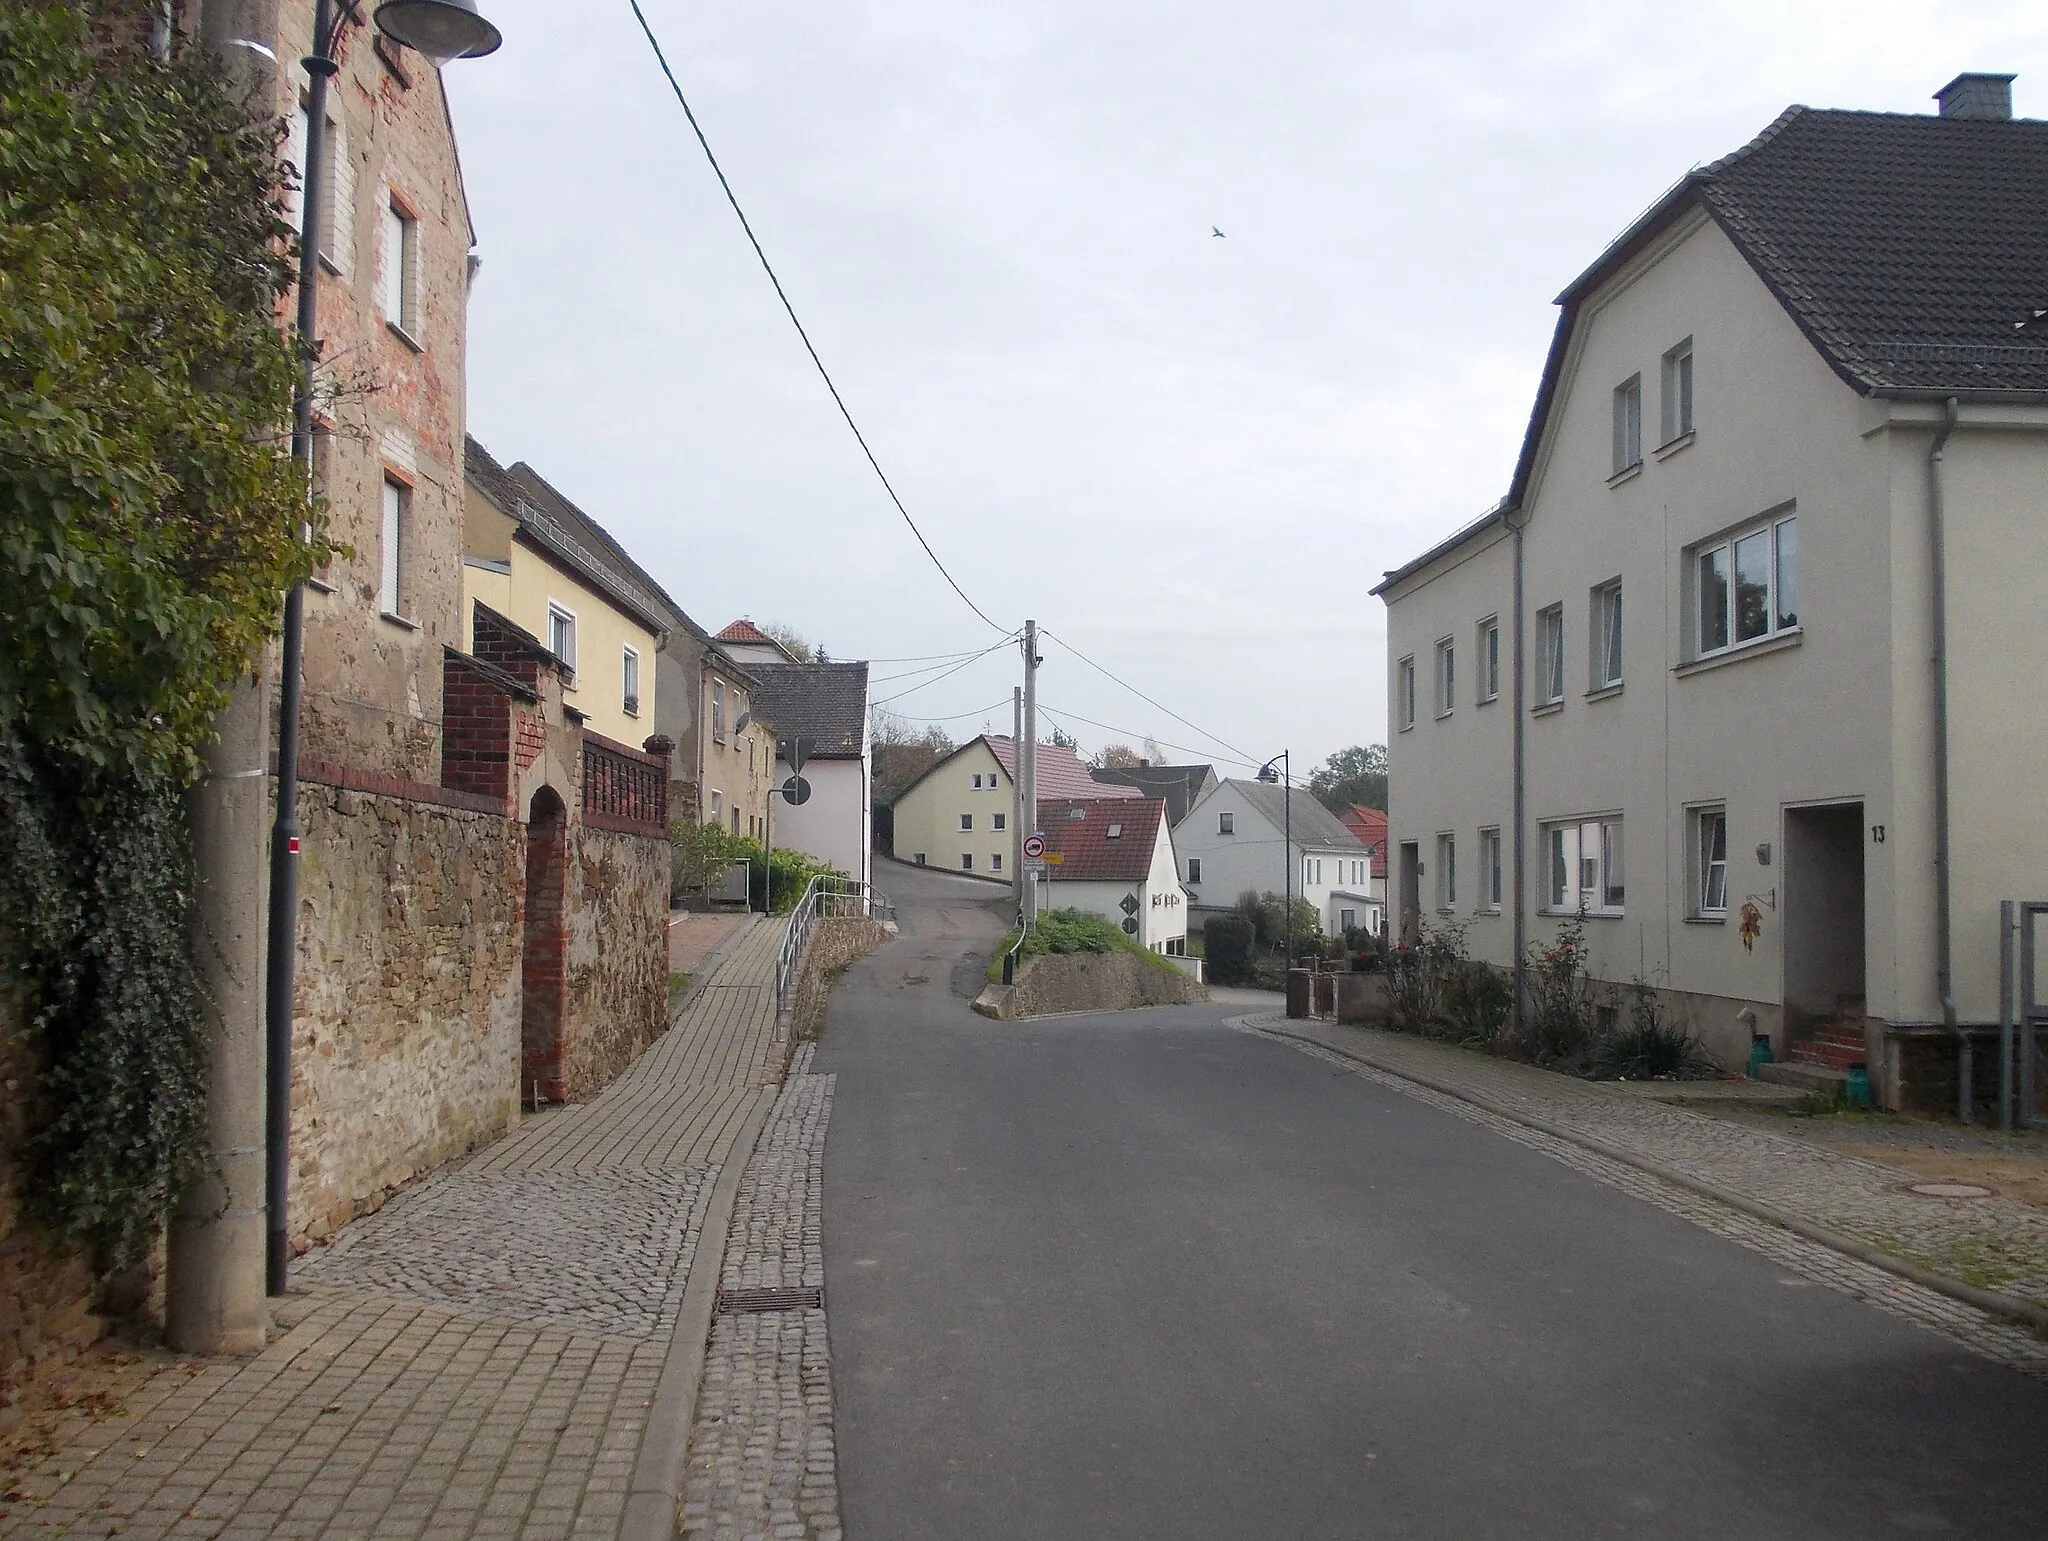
x=1243 y=758
x=957 y=716
x=824 y=374
x=911 y=674
x=1109 y=727
x=927 y=657
x=914 y=689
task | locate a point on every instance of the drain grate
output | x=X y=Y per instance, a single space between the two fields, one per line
x=810 y=1297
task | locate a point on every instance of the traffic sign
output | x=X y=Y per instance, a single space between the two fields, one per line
x=1131 y=926
x=1034 y=846
x=796 y=790
x=1055 y=857
x=797 y=751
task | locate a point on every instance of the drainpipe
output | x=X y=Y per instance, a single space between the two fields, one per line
x=1944 y=971
x=1515 y=522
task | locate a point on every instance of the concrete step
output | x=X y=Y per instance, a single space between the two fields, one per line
x=1824 y=1079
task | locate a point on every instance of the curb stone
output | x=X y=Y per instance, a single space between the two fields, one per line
x=1992 y=1302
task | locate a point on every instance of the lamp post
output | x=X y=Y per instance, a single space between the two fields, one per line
x=1285 y=776
x=441 y=30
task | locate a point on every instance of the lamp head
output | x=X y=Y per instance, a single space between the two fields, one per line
x=440 y=29
x=1267 y=773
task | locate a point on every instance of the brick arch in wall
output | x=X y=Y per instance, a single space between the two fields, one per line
x=543 y=971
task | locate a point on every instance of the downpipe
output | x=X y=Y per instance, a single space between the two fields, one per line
x=1944 y=940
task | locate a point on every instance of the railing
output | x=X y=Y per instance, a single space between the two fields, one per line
x=831 y=898
x=624 y=787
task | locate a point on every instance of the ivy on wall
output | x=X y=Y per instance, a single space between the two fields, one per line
x=148 y=517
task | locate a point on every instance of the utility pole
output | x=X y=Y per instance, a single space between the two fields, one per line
x=1018 y=877
x=1027 y=758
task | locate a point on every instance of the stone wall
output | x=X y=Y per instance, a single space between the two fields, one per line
x=1098 y=981
x=406 y=1045
x=834 y=944
x=616 y=948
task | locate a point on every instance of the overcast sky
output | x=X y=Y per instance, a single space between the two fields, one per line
x=1190 y=457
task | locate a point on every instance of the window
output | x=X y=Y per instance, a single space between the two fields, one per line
x=1582 y=867
x=1489 y=659
x=918 y=858
x=1746 y=588
x=1607 y=635
x=1710 y=862
x=1446 y=871
x=1194 y=869
x=718 y=711
x=995 y=862
x=1678 y=392
x=1347 y=920
x=1628 y=424
x=1446 y=677
x=1489 y=868
x=1115 y=832
x=629 y=678
x=1404 y=694
x=1550 y=655
x=1226 y=823
x=977 y=781
x=735 y=821
x=966 y=861
x=1001 y=820
x=562 y=633
x=398 y=284
x=717 y=807
x=391 y=553
x=967 y=821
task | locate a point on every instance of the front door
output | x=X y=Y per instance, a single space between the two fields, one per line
x=1411 y=893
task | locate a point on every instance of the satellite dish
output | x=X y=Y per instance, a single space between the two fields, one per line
x=740 y=722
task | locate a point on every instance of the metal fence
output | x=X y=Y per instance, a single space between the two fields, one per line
x=2021 y=1011
x=828 y=898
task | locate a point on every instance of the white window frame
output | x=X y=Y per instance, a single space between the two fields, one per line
x=717 y=806
x=1549 y=655
x=966 y=861
x=1584 y=865
x=1194 y=869
x=1226 y=821
x=394 y=522
x=995 y=862
x=1001 y=821
x=977 y=781
x=1446 y=676
x=1678 y=393
x=562 y=633
x=1779 y=531
x=1446 y=870
x=1606 y=635
x=1490 y=869
x=1488 y=654
x=629 y=680
x=1628 y=425
x=718 y=711
x=1404 y=693
x=966 y=822
x=1701 y=823
x=398 y=270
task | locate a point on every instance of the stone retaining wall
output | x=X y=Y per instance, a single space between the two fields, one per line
x=1098 y=981
x=834 y=943
x=617 y=955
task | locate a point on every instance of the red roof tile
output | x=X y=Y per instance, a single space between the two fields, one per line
x=744 y=630
x=1088 y=851
x=1060 y=772
x=1370 y=825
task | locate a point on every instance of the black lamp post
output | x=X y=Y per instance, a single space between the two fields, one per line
x=441 y=30
x=1285 y=776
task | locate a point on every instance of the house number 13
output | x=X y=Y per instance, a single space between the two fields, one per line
x=1877 y=834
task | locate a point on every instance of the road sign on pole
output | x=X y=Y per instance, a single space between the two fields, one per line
x=797 y=751
x=1034 y=846
x=796 y=791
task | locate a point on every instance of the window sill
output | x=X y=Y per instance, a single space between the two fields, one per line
x=1776 y=643
x=1487 y=700
x=1588 y=914
x=1603 y=693
x=1666 y=451
x=1487 y=909
x=320 y=586
x=1625 y=474
x=1546 y=709
x=331 y=266
x=398 y=620
x=405 y=337
x=1406 y=727
x=1440 y=716
x=1706 y=920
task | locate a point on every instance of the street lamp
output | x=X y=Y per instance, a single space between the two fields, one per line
x=441 y=30
x=1285 y=776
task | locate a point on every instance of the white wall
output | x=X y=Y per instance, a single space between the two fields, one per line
x=1252 y=856
x=836 y=824
x=1158 y=923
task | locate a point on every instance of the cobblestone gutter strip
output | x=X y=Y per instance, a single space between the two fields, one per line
x=1990 y=1302
x=762 y=1456
x=656 y=1488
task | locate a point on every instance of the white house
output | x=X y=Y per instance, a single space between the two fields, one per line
x=1236 y=838
x=1114 y=857
x=1757 y=621
x=826 y=703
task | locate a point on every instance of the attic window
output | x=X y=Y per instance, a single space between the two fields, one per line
x=1077 y=813
x=1116 y=832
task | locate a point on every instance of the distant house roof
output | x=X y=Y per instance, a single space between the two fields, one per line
x=1907 y=247
x=1312 y=823
x=1111 y=841
x=824 y=702
x=1370 y=825
x=745 y=633
x=1060 y=771
x=1180 y=785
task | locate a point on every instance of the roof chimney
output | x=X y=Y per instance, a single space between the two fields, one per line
x=1977 y=96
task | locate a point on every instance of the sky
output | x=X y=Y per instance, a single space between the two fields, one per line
x=1189 y=458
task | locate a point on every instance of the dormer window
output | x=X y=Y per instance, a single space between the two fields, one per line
x=1116 y=832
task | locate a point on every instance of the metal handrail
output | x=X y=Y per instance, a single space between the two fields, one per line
x=836 y=898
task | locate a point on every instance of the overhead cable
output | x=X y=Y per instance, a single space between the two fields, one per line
x=926 y=685
x=1243 y=758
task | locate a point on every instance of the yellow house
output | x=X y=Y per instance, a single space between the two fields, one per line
x=539 y=560
x=961 y=814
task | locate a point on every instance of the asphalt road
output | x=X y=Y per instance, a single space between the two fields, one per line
x=1145 y=1276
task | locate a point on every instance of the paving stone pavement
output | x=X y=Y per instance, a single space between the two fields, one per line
x=1822 y=1186
x=763 y=1466
x=477 y=1359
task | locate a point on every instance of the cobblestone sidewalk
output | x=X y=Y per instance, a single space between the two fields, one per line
x=762 y=1460
x=1990 y=1242
x=478 y=1358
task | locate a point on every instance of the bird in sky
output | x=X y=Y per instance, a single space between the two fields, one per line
x=1215 y=232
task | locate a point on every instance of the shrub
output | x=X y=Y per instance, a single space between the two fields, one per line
x=1227 y=949
x=1477 y=1002
x=1649 y=1048
x=1421 y=976
x=1559 y=1025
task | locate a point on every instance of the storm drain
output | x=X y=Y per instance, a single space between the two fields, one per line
x=809 y=1297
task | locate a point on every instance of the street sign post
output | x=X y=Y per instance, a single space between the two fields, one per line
x=1034 y=846
x=796 y=791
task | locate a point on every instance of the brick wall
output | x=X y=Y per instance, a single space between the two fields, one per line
x=476 y=725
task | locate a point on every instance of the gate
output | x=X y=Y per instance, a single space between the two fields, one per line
x=2022 y=1013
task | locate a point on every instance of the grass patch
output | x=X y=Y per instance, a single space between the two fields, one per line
x=1069 y=931
x=677 y=984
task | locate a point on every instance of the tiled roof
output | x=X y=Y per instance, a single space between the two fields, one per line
x=824 y=702
x=1180 y=785
x=1088 y=851
x=1314 y=826
x=1060 y=771
x=1370 y=825
x=744 y=633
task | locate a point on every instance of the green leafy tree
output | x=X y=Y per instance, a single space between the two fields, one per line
x=148 y=524
x=1354 y=775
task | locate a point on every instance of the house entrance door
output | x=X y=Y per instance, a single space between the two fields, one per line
x=1823 y=907
x=1411 y=893
x=543 y=964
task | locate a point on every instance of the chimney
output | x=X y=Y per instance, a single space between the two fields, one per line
x=1987 y=97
